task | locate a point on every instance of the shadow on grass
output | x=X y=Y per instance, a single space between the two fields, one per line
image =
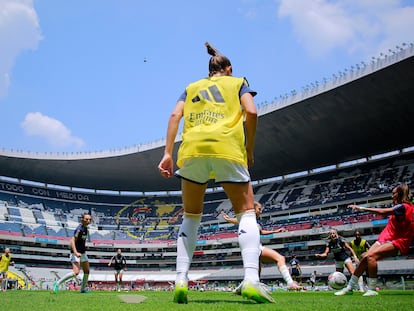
x=220 y=301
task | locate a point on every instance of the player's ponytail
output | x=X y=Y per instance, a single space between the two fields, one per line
x=211 y=50
x=218 y=62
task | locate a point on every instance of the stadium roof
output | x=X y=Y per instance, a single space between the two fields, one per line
x=365 y=112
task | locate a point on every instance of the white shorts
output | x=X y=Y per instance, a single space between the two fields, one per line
x=75 y=259
x=201 y=170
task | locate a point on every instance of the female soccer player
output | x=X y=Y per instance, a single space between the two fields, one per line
x=78 y=255
x=360 y=246
x=340 y=249
x=394 y=239
x=119 y=261
x=219 y=130
x=5 y=262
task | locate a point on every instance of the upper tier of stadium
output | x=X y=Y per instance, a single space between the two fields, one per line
x=353 y=115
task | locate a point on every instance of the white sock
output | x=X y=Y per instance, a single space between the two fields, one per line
x=186 y=243
x=286 y=275
x=361 y=283
x=66 y=277
x=352 y=282
x=372 y=283
x=249 y=242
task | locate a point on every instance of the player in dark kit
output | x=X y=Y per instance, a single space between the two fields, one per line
x=120 y=266
x=78 y=255
x=341 y=250
x=296 y=271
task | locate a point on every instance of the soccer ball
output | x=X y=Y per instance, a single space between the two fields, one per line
x=337 y=280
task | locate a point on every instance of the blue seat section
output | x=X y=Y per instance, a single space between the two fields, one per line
x=56 y=231
x=8 y=198
x=101 y=235
x=39 y=216
x=11 y=227
x=14 y=214
x=38 y=229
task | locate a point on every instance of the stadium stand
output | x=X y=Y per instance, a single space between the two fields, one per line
x=148 y=238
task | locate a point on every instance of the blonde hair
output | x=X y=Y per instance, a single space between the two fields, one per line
x=329 y=234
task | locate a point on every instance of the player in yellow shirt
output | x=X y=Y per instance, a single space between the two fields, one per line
x=219 y=129
x=5 y=262
x=360 y=246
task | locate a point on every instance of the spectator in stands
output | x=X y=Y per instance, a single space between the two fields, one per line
x=219 y=129
x=296 y=270
x=119 y=261
x=78 y=255
x=394 y=239
x=5 y=262
x=360 y=246
x=341 y=250
x=267 y=254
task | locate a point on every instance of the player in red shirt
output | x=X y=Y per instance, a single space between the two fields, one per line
x=395 y=239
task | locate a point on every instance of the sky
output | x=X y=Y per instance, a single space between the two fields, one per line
x=99 y=75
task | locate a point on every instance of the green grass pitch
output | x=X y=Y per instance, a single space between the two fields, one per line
x=158 y=300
